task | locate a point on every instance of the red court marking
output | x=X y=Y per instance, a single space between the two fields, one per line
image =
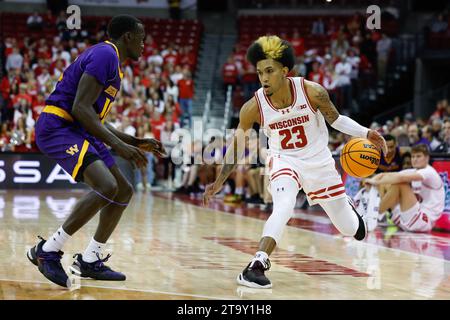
x=295 y=261
x=435 y=244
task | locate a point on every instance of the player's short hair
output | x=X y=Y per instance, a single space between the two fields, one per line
x=121 y=24
x=389 y=137
x=420 y=148
x=271 y=47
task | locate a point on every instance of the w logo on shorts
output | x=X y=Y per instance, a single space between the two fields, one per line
x=72 y=150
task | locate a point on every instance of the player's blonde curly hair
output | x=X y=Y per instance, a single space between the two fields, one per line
x=271 y=47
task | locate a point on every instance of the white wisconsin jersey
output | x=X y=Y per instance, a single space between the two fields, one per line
x=296 y=130
x=430 y=191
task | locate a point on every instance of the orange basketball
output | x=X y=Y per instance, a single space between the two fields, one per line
x=360 y=158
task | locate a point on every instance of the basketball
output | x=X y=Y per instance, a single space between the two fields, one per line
x=360 y=158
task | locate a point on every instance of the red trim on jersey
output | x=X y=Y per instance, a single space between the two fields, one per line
x=261 y=115
x=414 y=220
x=335 y=187
x=296 y=174
x=326 y=189
x=317 y=192
x=396 y=220
x=293 y=92
x=329 y=196
x=284 y=169
x=306 y=96
x=281 y=173
x=293 y=97
x=289 y=175
x=336 y=193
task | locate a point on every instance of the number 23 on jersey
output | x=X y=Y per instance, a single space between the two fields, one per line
x=293 y=138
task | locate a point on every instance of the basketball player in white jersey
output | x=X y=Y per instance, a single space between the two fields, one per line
x=292 y=111
x=416 y=196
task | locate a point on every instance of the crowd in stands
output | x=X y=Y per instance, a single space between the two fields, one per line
x=156 y=93
x=409 y=131
x=339 y=53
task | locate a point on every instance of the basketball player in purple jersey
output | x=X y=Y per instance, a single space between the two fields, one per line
x=72 y=130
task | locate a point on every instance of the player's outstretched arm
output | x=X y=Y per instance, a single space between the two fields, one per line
x=394 y=178
x=89 y=89
x=247 y=117
x=320 y=100
x=148 y=145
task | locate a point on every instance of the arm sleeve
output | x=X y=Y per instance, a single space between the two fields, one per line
x=102 y=64
x=348 y=126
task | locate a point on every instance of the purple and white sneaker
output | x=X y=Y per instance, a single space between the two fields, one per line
x=49 y=264
x=95 y=270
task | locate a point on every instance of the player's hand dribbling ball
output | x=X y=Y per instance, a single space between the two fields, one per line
x=360 y=158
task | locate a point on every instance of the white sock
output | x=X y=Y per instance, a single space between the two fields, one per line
x=261 y=255
x=56 y=241
x=94 y=248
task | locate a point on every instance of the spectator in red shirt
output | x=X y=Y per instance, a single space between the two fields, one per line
x=188 y=58
x=250 y=81
x=38 y=106
x=230 y=73
x=239 y=56
x=5 y=88
x=156 y=122
x=22 y=95
x=298 y=43
x=170 y=55
x=150 y=46
x=316 y=74
x=186 y=94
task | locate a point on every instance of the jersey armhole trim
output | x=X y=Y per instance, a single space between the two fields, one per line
x=306 y=95
x=261 y=115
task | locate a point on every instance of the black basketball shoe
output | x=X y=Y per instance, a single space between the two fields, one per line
x=253 y=275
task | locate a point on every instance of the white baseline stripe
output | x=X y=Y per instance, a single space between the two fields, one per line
x=125 y=289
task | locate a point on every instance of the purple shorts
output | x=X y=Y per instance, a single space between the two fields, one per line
x=69 y=144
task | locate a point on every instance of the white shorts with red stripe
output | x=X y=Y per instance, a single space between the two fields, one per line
x=412 y=220
x=318 y=177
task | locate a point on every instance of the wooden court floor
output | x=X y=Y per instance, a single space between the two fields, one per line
x=172 y=248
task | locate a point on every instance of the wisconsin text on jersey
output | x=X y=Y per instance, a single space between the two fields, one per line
x=289 y=123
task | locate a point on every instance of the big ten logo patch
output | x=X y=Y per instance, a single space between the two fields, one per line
x=444 y=177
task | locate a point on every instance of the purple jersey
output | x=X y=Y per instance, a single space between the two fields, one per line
x=100 y=61
x=58 y=134
x=394 y=165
